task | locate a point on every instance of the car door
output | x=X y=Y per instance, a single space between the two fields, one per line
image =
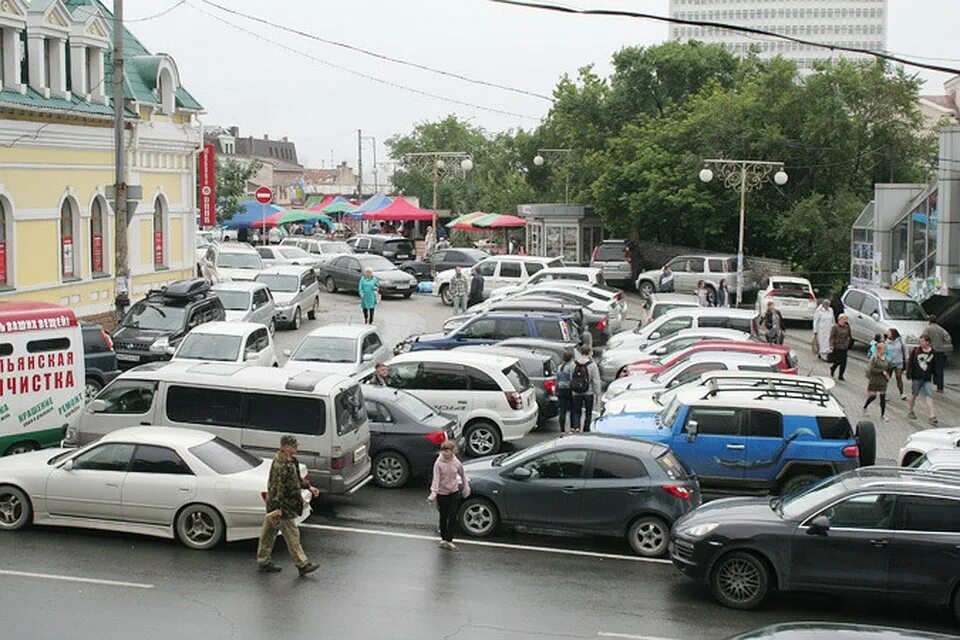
x=478 y=331
x=509 y=274
x=692 y=273
x=854 y=553
x=372 y=352
x=869 y=319
x=553 y=494
x=677 y=266
x=616 y=488
x=89 y=485
x=262 y=309
x=852 y=301
x=925 y=555
x=447 y=386
x=717 y=452
x=765 y=445
x=124 y=403
x=158 y=483
x=348 y=273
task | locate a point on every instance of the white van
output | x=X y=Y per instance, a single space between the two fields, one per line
x=41 y=374
x=248 y=406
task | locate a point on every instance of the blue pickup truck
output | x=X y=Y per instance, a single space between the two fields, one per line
x=490 y=328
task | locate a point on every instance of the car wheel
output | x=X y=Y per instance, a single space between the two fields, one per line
x=445 y=295
x=798 y=483
x=200 y=527
x=21 y=447
x=478 y=517
x=867 y=443
x=390 y=470
x=330 y=284
x=297 y=319
x=312 y=314
x=645 y=289
x=15 y=509
x=407 y=295
x=649 y=536
x=740 y=580
x=92 y=388
x=483 y=439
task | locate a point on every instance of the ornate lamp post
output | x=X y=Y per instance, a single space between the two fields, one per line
x=442 y=164
x=560 y=156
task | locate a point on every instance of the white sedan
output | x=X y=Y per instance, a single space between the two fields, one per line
x=225 y=341
x=156 y=481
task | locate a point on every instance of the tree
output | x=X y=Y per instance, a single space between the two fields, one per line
x=232 y=177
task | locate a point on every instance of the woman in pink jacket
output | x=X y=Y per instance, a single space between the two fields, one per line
x=446 y=490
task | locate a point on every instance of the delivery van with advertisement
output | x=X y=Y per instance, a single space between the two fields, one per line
x=41 y=374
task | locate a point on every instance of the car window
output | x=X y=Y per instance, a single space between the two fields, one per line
x=532 y=267
x=558 y=465
x=510 y=328
x=438 y=256
x=93 y=340
x=868 y=511
x=551 y=330
x=483 y=328
x=225 y=457
x=926 y=513
x=480 y=381
x=260 y=298
x=764 y=424
x=152 y=459
x=853 y=299
x=510 y=269
x=443 y=377
x=208 y=346
x=715 y=265
x=903 y=310
x=286 y=413
x=488 y=268
x=610 y=466
x=404 y=375
x=350 y=410
x=371 y=343
x=714 y=421
x=376 y=412
x=677 y=264
x=194 y=405
x=517 y=378
x=695 y=371
x=672 y=466
x=834 y=428
x=712 y=322
x=609 y=252
x=694 y=265
x=869 y=305
x=673 y=325
x=265 y=252
x=128 y=397
x=112 y=456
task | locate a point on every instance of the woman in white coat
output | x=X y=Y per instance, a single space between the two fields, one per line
x=822 y=323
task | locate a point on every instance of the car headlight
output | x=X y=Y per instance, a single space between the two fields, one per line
x=699 y=531
x=160 y=345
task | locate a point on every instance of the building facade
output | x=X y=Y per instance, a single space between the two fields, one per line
x=853 y=23
x=281 y=171
x=339 y=181
x=940 y=110
x=57 y=235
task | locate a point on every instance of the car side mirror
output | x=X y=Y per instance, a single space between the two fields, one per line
x=252 y=355
x=521 y=473
x=97 y=406
x=661 y=351
x=170 y=351
x=287 y=352
x=655 y=335
x=367 y=357
x=692 y=429
x=303 y=287
x=875 y=316
x=819 y=526
x=67 y=466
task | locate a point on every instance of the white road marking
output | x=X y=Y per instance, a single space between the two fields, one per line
x=607 y=634
x=53 y=576
x=483 y=543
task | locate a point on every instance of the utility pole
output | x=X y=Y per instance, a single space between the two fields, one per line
x=359 y=163
x=121 y=265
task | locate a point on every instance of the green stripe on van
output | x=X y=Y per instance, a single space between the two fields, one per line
x=45 y=438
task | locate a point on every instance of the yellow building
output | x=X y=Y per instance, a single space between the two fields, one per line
x=56 y=158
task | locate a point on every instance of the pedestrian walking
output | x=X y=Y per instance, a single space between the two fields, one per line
x=564 y=394
x=703 y=294
x=369 y=290
x=666 y=280
x=430 y=241
x=773 y=324
x=585 y=386
x=823 y=322
x=449 y=484
x=476 y=288
x=897 y=354
x=723 y=294
x=284 y=506
x=379 y=375
x=920 y=369
x=878 y=375
x=840 y=341
x=939 y=340
x=459 y=288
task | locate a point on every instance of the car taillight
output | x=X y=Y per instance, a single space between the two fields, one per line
x=436 y=437
x=811 y=296
x=341 y=462
x=618 y=295
x=769 y=294
x=851 y=451
x=593 y=256
x=550 y=386
x=514 y=400
x=602 y=325
x=264 y=495
x=628 y=255
x=107 y=339
x=677 y=491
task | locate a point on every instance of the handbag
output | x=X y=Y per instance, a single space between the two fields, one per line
x=815 y=345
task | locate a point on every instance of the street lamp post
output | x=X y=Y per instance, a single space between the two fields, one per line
x=439 y=168
x=742 y=176
x=376 y=172
x=561 y=156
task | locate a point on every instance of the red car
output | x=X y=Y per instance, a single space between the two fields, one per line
x=788 y=360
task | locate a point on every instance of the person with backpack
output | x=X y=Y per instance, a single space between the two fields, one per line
x=563 y=390
x=585 y=386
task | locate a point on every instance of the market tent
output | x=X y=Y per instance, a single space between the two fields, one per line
x=302 y=215
x=399 y=210
x=326 y=202
x=339 y=207
x=250 y=211
x=373 y=203
x=271 y=220
x=479 y=221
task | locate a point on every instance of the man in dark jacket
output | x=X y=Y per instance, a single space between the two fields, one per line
x=476 y=288
x=940 y=341
x=284 y=506
x=920 y=369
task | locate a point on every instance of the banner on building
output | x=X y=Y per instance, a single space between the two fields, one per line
x=3 y=263
x=207 y=182
x=97 y=254
x=158 y=248
x=68 y=257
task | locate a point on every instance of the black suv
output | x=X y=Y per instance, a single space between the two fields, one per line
x=99 y=360
x=394 y=248
x=154 y=326
x=877 y=531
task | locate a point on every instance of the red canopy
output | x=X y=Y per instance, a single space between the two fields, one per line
x=399 y=210
x=323 y=203
x=270 y=221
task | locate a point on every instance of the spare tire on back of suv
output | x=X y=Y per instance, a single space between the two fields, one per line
x=867 y=442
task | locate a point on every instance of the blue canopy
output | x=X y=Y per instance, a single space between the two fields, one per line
x=373 y=203
x=250 y=211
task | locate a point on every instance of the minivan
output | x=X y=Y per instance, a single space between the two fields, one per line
x=248 y=406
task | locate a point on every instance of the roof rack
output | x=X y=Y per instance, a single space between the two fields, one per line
x=745 y=383
x=812 y=392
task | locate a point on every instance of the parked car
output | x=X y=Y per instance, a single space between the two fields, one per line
x=684 y=318
x=556 y=347
x=588 y=484
x=294 y=290
x=874 y=310
x=749 y=440
x=245 y=301
x=657 y=304
x=154 y=325
x=231 y=261
x=275 y=256
x=347 y=349
x=345 y=273
x=834 y=630
x=616 y=259
x=689 y=270
x=793 y=297
x=787 y=358
x=541 y=367
x=585 y=276
x=177 y=483
x=488 y=328
x=497 y=271
x=490 y=395
x=592 y=304
x=885 y=532
x=228 y=341
x=584 y=318
x=99 y=358
x=928 y=440
x=613 y=364
x=405 y=435
x=425 y=268
x=325 y=250
x=939 y=460
x=396 y=249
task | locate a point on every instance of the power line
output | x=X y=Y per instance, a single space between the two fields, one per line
x=723 y=25
x=360 y=74
x=157 y=15
x=379 y=56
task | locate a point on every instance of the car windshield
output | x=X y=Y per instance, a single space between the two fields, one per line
x=528 y=452
x=669 y=414
x=206 y=346
x=224 y=457
x=334 y=247
x=229 y=260
x=794 y=506
x=903 y=310
x=234 y=300
x=293 y=253
x=326 y=349
x=377 y=263
x=144 y=315
x=276 y=282
x=663 y=307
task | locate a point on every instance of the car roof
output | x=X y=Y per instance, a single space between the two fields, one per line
x=521 y=314
x=884 y=294
x=171 y=436
x=510 y=256
x=514 y=351
x=238 y=285
x=590 y=271
x=675 y=298
x=710 y=311
x=236 y=247
x=614 y=443
x=227 y=328
x=456 y=356
x=761 y=398
x=920 y=480
x=706 y=332
x=733 y=346
x=733 y=357
x=789 y=279
x=286 y=270
x=238 y=376
x=341 y=330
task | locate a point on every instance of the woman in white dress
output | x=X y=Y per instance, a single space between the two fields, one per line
x=822 y=323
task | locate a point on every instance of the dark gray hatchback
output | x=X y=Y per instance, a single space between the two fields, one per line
x=589 y=484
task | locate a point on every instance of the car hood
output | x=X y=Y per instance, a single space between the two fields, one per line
x=730 y=510
x=236 y=315
x=32 y=459
x=627 y=340
x=133 y=335
x=394 y=276
x=345 y=368
x=632 y=402
x=446 y=275
x=426 y=337
x=635 y=382
x=482 y=467
x=237 y=274
x=946 y=437
x=631 y=425
x=283 y=297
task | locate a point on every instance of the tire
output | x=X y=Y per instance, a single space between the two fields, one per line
x=445 y=295
x=92 y=388
x=740 y=580
x=867 y=441
x=330 y=284
x=482 y=439
x=645 y=289
x=26 y=446
x=199 y=527
x=407 y=295
x=390 y=470
x=297 y=319
x=649 y=536
x=798 y=483
x=16 y=511
x=478 y=517
x=312 y=314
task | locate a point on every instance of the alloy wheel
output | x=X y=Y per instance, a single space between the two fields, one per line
x=478 y=519
x=390 y=471
x=200 y=527
x=21 y=447
x=481 y=441
x=739 y=580
x=650 y=538
x=11 y=509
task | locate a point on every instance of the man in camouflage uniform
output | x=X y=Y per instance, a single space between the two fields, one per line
x=284 y=505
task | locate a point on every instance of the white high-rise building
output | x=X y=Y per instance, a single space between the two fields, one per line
x=853 y=23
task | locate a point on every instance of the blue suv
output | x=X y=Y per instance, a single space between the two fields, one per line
x=753 y=440
x=490 y=328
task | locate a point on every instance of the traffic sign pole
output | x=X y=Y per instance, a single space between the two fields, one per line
x=264 y=196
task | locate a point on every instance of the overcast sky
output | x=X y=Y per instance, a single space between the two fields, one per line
x=265 y=89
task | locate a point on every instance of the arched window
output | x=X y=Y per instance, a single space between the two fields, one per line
x=6 y=277
x=159 y=239
x=69 y=249
x=98 y=259
x=167 y=92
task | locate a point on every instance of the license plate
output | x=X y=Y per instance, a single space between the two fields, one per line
x=360 y=453
x=403 y=256
x=790 y=303
x=403 y=286
x=127 y=357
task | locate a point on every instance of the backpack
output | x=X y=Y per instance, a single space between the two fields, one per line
x=580 y=380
